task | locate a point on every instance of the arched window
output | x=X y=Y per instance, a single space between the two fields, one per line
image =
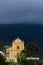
x=17 y=47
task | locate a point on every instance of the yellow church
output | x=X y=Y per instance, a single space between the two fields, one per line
x=16 y=48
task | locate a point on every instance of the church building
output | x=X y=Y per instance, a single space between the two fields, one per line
x=16 y=48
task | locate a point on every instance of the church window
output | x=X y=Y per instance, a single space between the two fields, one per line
x=17 y=47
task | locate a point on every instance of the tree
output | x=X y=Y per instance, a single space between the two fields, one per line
x=3 y=60
x=4 y=48
x=18 y=57
x=23 y=59
x=24 y=51
x=32 y=49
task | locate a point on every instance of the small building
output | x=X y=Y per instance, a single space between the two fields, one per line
x=16 y=48
x=33 y=58
x=2 y=53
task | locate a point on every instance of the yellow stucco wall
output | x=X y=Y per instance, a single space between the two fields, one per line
x=17 y=47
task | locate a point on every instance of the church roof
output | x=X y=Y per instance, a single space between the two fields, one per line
x=18 y=39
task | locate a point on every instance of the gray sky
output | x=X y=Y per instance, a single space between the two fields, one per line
x=21 y=11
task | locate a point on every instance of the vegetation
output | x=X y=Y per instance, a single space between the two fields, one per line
x=4 y=48
x=34 y=62
x=21 y=58
x=31 y=49
x=30 y=62
x=18 y=58
x=13 y=63
x=2 y=60
x=23 y=61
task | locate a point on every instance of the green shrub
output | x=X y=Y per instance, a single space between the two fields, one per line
x=2 y=60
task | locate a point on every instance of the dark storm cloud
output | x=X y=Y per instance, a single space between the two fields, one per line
x=21 y=11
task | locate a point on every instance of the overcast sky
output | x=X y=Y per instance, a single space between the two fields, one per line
x=21 y=11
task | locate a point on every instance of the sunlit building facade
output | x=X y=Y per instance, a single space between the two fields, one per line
x=16 y=48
